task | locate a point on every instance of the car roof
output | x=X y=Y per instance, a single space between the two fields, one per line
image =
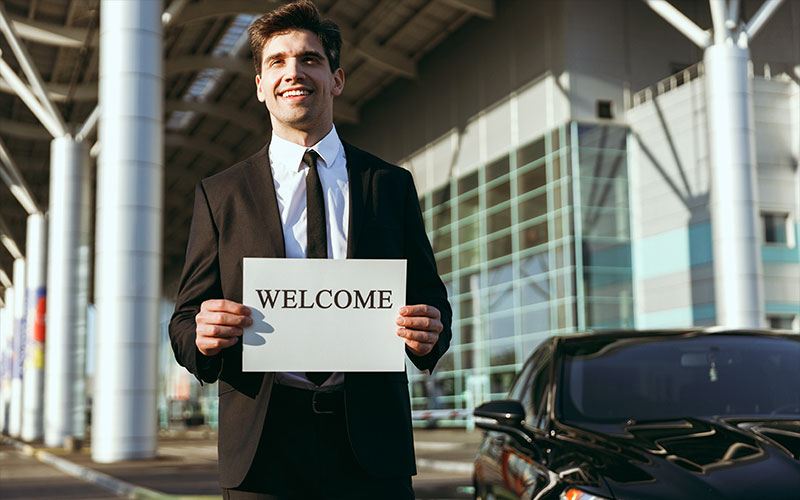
x=590 y=336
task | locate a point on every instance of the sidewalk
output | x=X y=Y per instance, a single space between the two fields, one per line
x=185 y=468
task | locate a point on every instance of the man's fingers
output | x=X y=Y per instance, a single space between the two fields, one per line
x=420 y=310
x=210 y=346
x=424 y=323
x=224 y=305
x=418 y=336
x=222 y=318
x=218 y=331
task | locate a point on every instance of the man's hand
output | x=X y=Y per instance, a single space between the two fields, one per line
x=220 y=323
x=420 y=325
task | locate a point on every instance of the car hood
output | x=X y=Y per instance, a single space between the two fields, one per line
x=694 y=457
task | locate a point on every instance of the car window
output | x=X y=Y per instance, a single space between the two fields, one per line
x=675 y=377
x=534 y=398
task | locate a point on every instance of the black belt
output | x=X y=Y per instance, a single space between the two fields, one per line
x=318 y=402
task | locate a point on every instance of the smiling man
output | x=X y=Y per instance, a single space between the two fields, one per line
x=306 y=194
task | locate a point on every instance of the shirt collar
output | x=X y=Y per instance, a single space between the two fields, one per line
x=288 y=155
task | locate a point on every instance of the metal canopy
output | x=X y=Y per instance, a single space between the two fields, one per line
x=212 y=117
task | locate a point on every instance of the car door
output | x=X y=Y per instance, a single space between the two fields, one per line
x=521 y=471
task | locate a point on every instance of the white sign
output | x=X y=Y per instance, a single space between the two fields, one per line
x=323 y=315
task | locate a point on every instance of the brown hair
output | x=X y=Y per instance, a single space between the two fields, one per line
x=298 y=15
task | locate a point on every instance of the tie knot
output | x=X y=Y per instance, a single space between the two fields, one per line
x=310 y=158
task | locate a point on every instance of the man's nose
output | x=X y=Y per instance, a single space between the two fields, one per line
x=294 y=69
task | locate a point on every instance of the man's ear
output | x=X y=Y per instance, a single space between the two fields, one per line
x=338 y=82
x=259 y=92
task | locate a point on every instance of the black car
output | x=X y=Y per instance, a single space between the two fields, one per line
x=701 y=414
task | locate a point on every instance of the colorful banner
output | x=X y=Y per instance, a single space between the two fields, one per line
x=36 y=302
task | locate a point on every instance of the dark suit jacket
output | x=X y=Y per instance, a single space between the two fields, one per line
x=236 y=215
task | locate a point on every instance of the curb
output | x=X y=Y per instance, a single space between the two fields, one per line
x=117 y=486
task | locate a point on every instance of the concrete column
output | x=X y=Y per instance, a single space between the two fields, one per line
x=17 y=307
x=736 y=243
x=35 y=297
x=129 y=216
x=68 y=242
x=5 y=366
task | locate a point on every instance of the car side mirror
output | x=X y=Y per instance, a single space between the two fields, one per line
x=505 y=415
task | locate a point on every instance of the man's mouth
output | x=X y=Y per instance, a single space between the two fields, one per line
x=295 y=93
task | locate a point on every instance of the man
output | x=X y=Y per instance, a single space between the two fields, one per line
x=305 y=195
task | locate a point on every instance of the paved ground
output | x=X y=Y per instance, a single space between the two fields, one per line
x=185 y=467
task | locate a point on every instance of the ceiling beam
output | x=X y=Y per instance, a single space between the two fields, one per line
x=201 y=146
x=482 y=8
x=24 y=130
x=242 y=117
x=54 y=34
x=50 y=33
x=182 y=64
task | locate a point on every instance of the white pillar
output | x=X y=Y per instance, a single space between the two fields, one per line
x=736 y=243
x=129 y=217
x=35 y=297
x=18 y=355
x=68 y=242
x=5 y=365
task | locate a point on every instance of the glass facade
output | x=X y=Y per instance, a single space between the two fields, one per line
x=531 y=244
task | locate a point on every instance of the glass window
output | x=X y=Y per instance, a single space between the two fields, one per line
x=499 y=247
x=498 y=220
x=781 y=321
x=536 y=397
x=444 y=264
x=533 y=207
x=554 y=142
x=719 y=375
x=468 y=206
x=603 y=163
x=441 y=240
x=535 y=264
x=469 y=256
x=611 y=223
x=556 y=164
x=606 y=254
x=501 y=382
x=602 y=136
x=607 y=282
x=536 y=320
x=469 y=282
x=468 y=230
x=501 y=326
x=530 y=152
x=604 y=192
x=424 y=203
x=501 y=298
x=497 y=169
x=467 y=331
x=536 y=290
x=466 y=307
x=531 y=179
x=468 y=359
x=501 y=274
x=468 y=183
x=441 y=215
x=775 y=228
x=498 y=194
x=502 y=353
x=532 y=236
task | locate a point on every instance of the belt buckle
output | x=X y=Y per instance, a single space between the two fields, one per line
x=314 y=404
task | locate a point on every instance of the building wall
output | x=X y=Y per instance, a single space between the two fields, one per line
x=670 y=183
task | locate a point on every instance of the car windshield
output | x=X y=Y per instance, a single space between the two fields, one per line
x=675 y=377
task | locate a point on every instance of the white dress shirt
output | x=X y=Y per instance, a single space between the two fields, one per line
x=289 y=175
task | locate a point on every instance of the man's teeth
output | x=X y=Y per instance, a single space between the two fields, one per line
x=292 y=93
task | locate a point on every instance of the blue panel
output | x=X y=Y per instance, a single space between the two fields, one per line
x=673 y=251
x=782 y=308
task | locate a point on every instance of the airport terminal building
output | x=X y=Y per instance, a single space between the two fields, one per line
x=567 y=163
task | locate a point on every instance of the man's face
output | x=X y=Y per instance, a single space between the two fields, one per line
x=297 y=85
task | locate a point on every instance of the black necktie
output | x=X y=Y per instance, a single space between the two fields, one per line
x=316 y=232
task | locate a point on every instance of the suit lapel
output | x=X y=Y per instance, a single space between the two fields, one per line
x=358 y=176
x=262 y=194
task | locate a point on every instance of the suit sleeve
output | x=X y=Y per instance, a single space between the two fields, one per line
x=200 y=281
x=424 y=285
